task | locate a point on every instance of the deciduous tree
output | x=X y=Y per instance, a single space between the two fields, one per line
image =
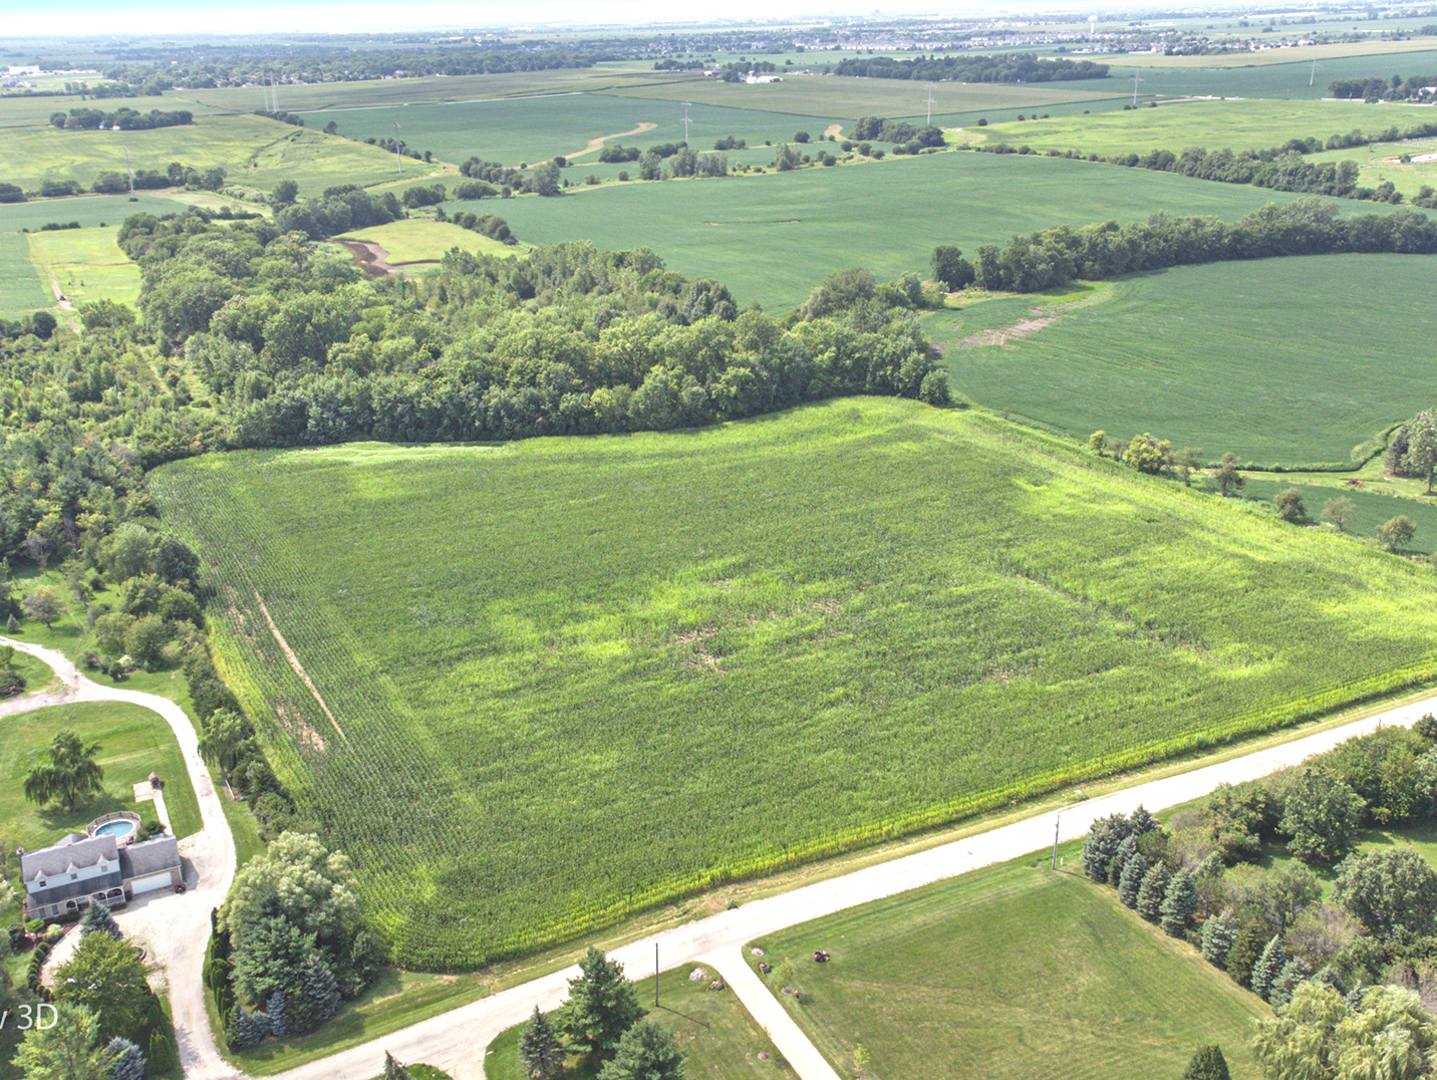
x=1228 y=480
x=1395 y=534
x=1321 y=815
x=70 y=773
x=70 y=1049
x=1390 y=888
x=1289 y=506
x=1339 y=511
x=107 y=976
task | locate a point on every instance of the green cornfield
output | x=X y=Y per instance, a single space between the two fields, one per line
x=564 y=680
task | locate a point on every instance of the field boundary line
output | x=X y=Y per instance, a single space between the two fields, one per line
x=598 y=144
x=294 y=662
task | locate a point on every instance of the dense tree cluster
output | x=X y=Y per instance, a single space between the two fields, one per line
x=878 y=129
x=1198 y=873
x=124 y=118
x=996 y=68
x=1417 y=88
x=1056 y=257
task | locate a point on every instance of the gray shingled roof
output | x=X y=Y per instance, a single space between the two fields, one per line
x=149 y=856
x=72 y=850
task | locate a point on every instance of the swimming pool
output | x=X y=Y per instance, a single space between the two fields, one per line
x=117 y=828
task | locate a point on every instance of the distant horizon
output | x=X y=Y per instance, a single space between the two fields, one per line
x=88 y=18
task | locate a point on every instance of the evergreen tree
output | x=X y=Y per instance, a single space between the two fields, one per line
x=602 y=1005
x=321 y=989
x=1104 y=836
x=1142 y=822
x=540 y=1055
x=243 y=1030
x=126 y=1061
x=98 y=917
x=1153 y=890
x=1126 y=850
x=1268 y=967
x=1294 y=972
x=162 y=1053
x=393 y=1070
x=646 y=1052
x=1207 y=1064
x=275 y=1007
x=1247 y=946
x=1132 y=880
x=1179 y=904
x=1217 y=939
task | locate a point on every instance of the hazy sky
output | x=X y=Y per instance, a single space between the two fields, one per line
x=156 y=16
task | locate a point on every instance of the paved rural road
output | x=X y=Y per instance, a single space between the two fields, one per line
x=177 y=927
x=456 y=1040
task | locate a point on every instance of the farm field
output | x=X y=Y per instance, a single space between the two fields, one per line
x=712 y=1027
x=88 y=210
x=87 y=263
x=421 y=240
x=1381 y=161
x=1008 y=973
x=1217 y=356
x=22 y=290
x=641 y=685
x=772 y=238
x=1234 y=125
x=534 y=129
x=255 y=151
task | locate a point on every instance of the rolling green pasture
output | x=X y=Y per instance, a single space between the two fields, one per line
x=419 y=240
x=772 y=238
x=711 y=1026
x=1235 y=125
x=1370 y=508
x=88 y=210
x=22 y=289
x=607 y=671
x=1288 y=361
x=253 y=150
x=17 y=111
x=87 y=263
x=1009 y=973
x=1381 y=161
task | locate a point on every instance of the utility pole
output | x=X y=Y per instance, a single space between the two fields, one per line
x=1136 y=79
x=398 y=149
x=1313 y=76
x=1057 y=818
x=656 y=974
x=930 y=104
x=687 y=122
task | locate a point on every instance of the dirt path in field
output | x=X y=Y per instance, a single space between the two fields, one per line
x=833 y=131
x=1021 y=329
x=456 y=1041
x=294 y=663
x=175 y=930
x=595 y=145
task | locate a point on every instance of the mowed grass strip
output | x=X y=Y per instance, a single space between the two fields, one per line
x=87 y=263
x=772 y=238
x=422 y=240
x=579 y=676
x=711 y=1026
x=1006 y=974
x=1213 y=125
x=1221 y=357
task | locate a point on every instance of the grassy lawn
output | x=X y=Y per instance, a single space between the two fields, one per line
x=87 y=263
x=772 y=238
x=620 y=716
x=22 y=289
x=420 y=240
x=712 y=1027
x=1009 y=972
x=133 y=742
x=1220 y=357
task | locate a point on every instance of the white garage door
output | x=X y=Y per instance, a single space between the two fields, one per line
x=150 y=882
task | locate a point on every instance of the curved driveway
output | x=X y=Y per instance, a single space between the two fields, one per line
x=211 y=853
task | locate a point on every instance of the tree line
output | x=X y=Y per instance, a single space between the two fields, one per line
x=124 y=118
x=1417 y=88
x=1051 y=258
x=1002 y=68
